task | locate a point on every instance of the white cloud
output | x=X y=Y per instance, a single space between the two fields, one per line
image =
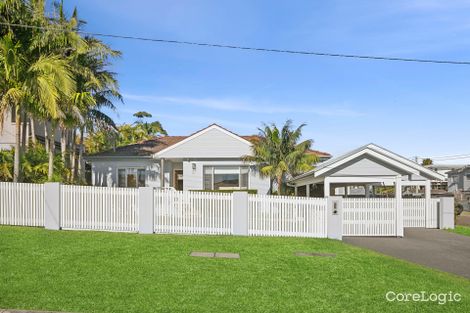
x=250 y=106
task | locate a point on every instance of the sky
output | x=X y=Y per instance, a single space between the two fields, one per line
x=413 y=109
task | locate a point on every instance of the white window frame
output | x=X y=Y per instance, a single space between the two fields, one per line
x=226 y=166
x=129 y=169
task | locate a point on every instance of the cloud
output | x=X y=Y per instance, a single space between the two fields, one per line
x=426 y=5
x=235 y=105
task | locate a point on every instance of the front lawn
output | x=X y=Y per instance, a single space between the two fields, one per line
x=109 y=272
x=462 y=230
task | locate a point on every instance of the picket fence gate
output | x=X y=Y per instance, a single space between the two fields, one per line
x=369 y=217
x=287 y=216
x=188 y=212
x=99 y=208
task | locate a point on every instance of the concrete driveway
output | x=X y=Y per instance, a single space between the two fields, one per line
x=434 y=248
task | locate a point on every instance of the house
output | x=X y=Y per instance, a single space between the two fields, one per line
x=459 y=185
x=209 y=159
x=8 y=131
x=441 y=187
x=363 y=173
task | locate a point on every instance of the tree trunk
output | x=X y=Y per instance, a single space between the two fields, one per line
x=46 y=136
x=16 y=164
x=73 y=159
x=24 y=130
x=33 y=131
x=81 y=165
x=279 y=185
x=50 y=171
x=63 y=144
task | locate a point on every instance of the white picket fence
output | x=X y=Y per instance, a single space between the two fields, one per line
x=187 y=212
x=183 y=212
x=21 y=204
x=286 y=216
x=433 y=213
x=414 y=212
x=416 y=215
x=99 y=208
x=369 y=217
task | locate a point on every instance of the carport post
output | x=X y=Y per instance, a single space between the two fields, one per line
x=399 y=207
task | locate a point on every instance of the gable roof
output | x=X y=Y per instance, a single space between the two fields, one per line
x=148 y=148
x=202 y=132
x=377 y=152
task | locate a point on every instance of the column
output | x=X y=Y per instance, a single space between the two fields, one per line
x=334 y=218
x=52 y=206
x=146 y=210
x=399 y=207
x=240 y=213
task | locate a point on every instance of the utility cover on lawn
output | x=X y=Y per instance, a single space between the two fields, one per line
x=221 y=255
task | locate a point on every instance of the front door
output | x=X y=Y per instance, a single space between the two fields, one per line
x=178 y=180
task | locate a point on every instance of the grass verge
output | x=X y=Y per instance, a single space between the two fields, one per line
x=78 y=271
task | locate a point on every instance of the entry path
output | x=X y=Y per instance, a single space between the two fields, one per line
x=434 y=248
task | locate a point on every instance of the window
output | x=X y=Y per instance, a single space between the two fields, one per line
x=131 y=177
x=225 y=177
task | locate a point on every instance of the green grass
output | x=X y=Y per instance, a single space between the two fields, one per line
x=109 y=272
x=462 y=230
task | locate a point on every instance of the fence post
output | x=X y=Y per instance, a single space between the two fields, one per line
x=52 y=206
x=146 y=219
x=240 y=213
x=446 y=213
x=334 y=218
x=400 y=230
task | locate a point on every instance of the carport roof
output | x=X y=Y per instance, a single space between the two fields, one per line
x=385 y=155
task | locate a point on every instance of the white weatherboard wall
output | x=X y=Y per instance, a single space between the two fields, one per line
x=214 y=143
x=104 y=172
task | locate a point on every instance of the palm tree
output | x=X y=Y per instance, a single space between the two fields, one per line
x=278 y=154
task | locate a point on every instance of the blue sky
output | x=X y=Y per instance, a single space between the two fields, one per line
x=413 y=109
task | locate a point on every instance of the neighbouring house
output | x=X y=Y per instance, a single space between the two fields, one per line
x=8 y=131
x=441 y=187
x=366 y=172
x=209 y=159
x=459 y=185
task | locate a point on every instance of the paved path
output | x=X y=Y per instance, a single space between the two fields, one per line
x=435 y=248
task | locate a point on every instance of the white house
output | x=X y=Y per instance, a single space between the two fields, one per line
x=359 y=172
x=210 y=159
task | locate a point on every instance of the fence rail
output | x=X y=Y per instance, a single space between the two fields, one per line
x=192 y=212
x=286 y=216
x=369 y=217
x=21 y=204
x=99 y=208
